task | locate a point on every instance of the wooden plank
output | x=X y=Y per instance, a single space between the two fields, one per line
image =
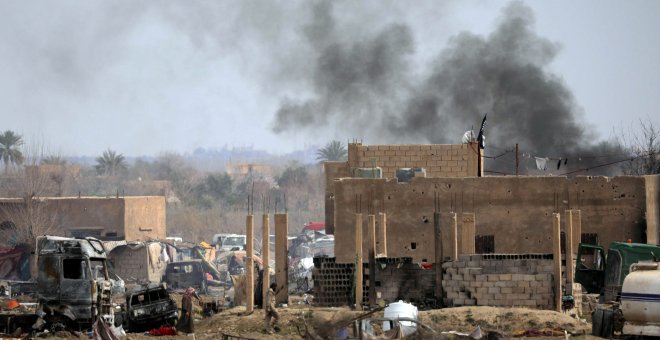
x=556 y=255
x=281 y=257
x=371 y=238
x=249 y=264
x=265 y=257
x=358 y=262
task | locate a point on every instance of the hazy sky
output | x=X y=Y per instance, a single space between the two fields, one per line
x=143 y=77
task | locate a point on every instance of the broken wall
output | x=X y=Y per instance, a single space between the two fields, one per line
x=396 y=279
x=138 y=262
x=514 y=212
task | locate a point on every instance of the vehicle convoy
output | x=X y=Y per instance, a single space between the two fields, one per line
x=628 y=281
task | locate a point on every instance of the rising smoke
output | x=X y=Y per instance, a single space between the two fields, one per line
x=366 y=87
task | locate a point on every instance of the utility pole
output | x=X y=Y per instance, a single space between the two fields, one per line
x=517 y=161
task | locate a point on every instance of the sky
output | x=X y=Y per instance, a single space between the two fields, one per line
x=145 y=77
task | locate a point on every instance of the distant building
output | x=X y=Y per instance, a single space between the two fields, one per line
x=133 y=218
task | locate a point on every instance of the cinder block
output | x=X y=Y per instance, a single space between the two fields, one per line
x=522 y=283
x=493 y=290
x=505 y=277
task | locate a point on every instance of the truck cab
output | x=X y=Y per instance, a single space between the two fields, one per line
x=73 y=283
x=603 y=273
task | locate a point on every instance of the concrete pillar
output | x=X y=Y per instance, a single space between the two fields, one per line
x=437 y=233
x=570 y=250
x=281 y=257
x=381 y=238
x=358 y=262
x=652 y=186
x=576 y=219
x=371 y=238
x=556 y=256
x=265 y=257
x=468 y=233
x=454 y=236
x=249 y=264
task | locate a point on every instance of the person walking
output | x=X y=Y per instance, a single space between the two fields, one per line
x=185 y=323
x=270 y=311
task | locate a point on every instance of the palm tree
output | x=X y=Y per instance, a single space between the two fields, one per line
x=333 y=151
x=110 y=163
x=9 y=148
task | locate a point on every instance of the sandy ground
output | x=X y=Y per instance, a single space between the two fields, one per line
x=504 y=321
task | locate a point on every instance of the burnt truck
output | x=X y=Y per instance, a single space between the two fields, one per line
x=73 y=288
x=149 y=306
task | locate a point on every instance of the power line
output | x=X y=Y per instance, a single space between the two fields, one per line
x=610 y=163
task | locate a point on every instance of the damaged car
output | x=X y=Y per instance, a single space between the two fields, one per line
x=149 y=307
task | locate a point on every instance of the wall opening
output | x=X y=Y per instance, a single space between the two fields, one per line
x=484 y=244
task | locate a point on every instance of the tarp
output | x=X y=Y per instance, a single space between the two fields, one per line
x=15 y=263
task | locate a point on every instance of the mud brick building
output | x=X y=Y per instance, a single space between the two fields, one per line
x=134 y=218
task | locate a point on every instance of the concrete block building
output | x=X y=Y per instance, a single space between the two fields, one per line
x=134 y=218
x=511 y=214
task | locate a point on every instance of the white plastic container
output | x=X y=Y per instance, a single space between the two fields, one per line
x=398 y=310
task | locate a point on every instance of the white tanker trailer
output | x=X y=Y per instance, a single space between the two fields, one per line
x=628 y=280
x=640 y=300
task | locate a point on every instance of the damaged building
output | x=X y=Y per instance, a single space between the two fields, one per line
x=403 y=186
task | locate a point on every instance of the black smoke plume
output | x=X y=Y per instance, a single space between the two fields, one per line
x=366 y=87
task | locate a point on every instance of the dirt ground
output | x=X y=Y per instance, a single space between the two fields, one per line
x=503 y=321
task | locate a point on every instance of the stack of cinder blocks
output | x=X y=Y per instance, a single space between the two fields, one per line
x=333 y=282
x=522 y=280
x=401 y=279
x=396 y=279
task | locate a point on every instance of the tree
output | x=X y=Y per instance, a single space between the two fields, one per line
x=294 y=174
x=333 y=151
x=173 y=167
x=644 y=149
x=110 y=163
x=9 y=148
x=53 y=160
x=214 y=188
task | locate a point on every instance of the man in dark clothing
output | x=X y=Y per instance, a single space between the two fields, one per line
x=270 y=311
x=185 y=323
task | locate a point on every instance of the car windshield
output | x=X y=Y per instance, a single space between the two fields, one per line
x=233 y=241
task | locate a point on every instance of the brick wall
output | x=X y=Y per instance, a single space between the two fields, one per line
x=132 y=265
x=439 y=160
x=500 y=280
